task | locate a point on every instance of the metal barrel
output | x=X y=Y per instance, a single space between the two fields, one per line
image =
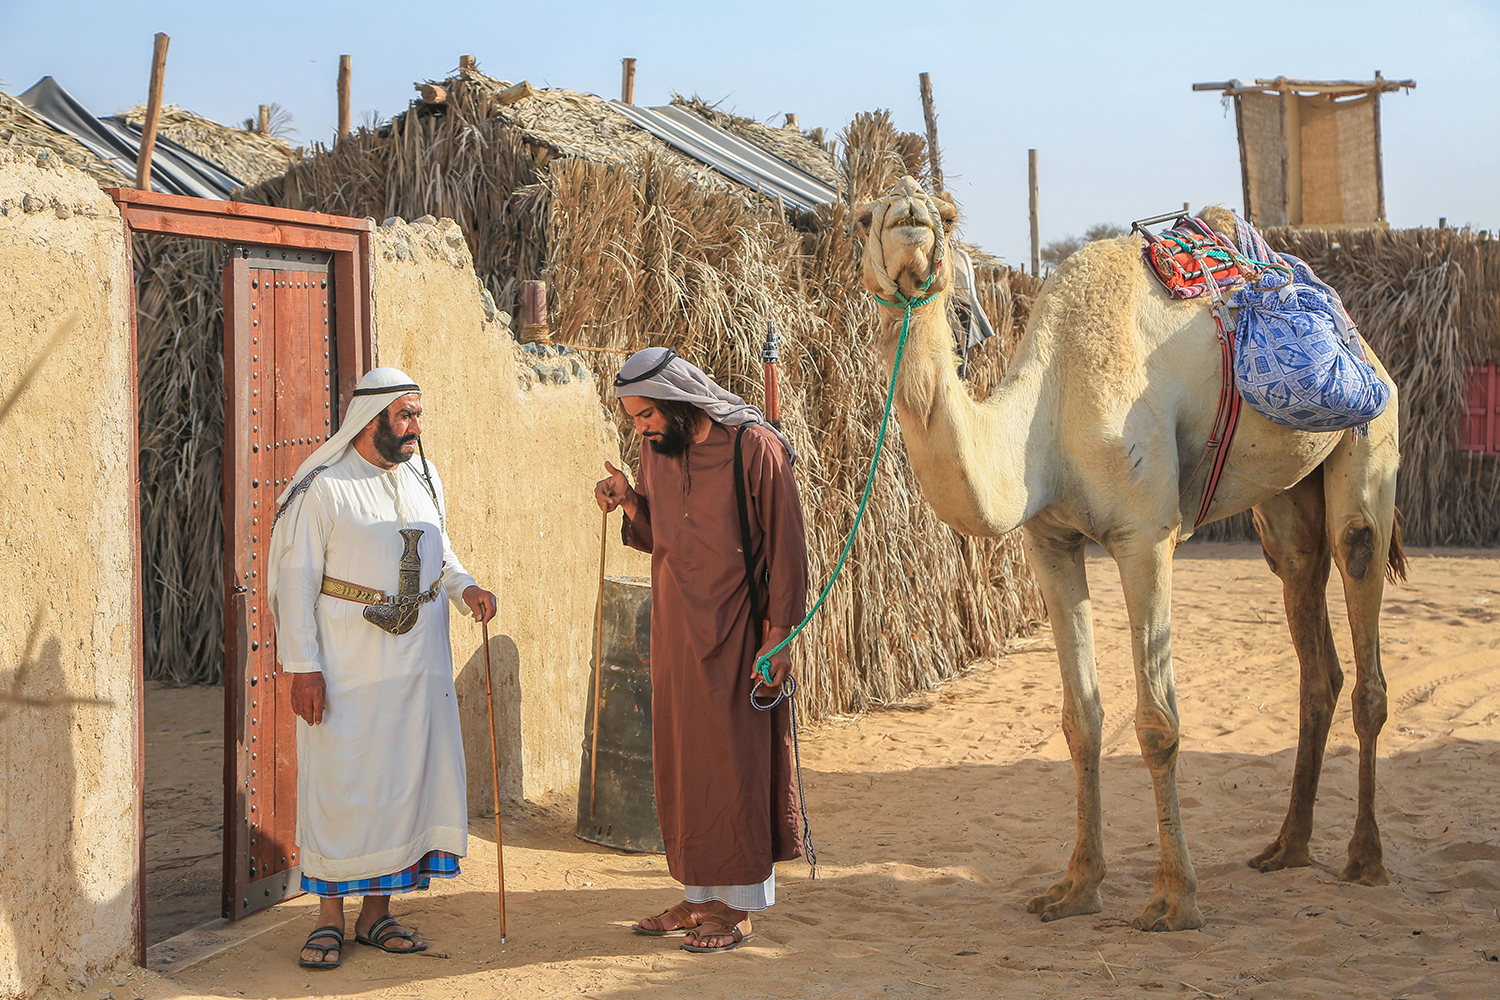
x=624 y=796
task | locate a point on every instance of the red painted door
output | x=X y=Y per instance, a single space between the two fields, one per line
x=1481 y=429
x=281 y=390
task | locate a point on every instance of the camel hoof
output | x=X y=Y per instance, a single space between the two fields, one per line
x=1066 y=899
x=1277 y=857
x=1365 y=873
x=1159 y=917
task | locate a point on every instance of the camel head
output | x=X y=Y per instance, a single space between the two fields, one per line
x=906 y=240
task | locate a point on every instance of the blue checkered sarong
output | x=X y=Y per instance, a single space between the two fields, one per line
x=433 y=864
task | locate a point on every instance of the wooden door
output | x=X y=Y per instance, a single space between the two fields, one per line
x=281 y=389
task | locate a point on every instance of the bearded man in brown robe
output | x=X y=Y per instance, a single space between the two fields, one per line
x=725 y=782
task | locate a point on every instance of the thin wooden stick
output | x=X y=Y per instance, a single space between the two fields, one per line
x=489 y=695
x=598 y=662
x=153 y=113
x=929 y=112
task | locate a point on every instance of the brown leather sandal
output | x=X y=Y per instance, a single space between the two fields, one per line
x=657 y=927
x=715 y=925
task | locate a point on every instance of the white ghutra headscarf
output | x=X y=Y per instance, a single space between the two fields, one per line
x=661 y=373
x=376 y=390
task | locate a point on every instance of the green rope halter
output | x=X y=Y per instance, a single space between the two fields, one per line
x=763 y=665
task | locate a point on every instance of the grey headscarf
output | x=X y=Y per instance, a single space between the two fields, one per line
x=660 y=373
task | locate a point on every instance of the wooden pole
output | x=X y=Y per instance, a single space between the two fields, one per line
x=598 y=663
x=791 y=120
x=534 y=327
x=465 y=63
x=346 y=68
x=153 y=113
x=1036 y=230
x=264 y=119
x=1375 y=95
x=627 y=81
x=489 y=694
x=929 y=112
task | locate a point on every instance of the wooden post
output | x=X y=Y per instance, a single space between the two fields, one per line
x=534 y=328
x=265 y=119
x=465 y=63
x=627 y=81
x=791 y=120
x=1036 y=232
x=929 y=112
x=153 y=113
x=516 y=92
x=1376 y=95
x=346 y=67
x=433 y=93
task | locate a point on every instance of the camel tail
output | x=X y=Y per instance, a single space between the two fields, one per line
x=1395 y=558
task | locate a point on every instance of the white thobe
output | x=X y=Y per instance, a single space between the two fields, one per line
x=380 y=782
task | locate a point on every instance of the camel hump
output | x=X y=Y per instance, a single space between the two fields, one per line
x=1221 y=220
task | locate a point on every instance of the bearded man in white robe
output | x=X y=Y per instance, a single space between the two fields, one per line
x=359 y=565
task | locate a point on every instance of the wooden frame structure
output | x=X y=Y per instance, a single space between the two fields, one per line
x=1283 y=187
x=347 y=240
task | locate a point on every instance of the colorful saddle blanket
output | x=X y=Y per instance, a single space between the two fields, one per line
x=1298 y=359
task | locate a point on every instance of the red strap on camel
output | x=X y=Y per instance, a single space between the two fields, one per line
x=1226 y=419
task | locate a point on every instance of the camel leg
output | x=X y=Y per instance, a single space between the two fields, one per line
x=1361 y=491
x=1057 y=562
x=1146 y=578
x=1295 y=541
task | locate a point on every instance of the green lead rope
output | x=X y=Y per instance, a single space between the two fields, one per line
x=763 y=664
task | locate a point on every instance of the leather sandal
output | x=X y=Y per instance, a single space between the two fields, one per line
x=330 y=931
x=387 y=929
x=716 y=926
x=657 y=927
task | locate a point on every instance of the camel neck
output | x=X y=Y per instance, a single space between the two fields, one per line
x=978 y=462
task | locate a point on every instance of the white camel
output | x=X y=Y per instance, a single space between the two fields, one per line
x=1104 y=413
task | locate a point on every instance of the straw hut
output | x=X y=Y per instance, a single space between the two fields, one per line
x=641 y=245
x=179 y=340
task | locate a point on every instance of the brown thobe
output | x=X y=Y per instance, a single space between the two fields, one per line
x=725 y=786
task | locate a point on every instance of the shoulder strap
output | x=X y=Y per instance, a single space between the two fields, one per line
x=744 y=505
x=307 y=481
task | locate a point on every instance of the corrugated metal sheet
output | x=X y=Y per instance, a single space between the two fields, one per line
x=174 y=169
x=740 y=161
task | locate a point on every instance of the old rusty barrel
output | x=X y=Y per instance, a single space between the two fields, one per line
x=623 y=811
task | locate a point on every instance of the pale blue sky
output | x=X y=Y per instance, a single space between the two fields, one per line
x=1102 y=90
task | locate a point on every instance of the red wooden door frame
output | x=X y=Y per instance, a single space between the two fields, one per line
x=348 y=240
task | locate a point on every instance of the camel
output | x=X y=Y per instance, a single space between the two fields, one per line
x=1103 y=415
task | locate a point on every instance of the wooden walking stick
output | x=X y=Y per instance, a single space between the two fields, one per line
x=489 y=694
x=598 y=662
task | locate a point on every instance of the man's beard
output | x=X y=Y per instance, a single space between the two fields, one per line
x=387 y=445
x=677 y=435
x=670 y=442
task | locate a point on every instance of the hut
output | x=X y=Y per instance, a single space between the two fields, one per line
x=642 y=244
x=79 y=289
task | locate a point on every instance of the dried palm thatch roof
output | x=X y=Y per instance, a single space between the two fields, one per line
x=248 y=155
x=804 y=149
x=20 y=126
x=642 y=245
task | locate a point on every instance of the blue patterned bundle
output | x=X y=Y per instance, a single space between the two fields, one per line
x=1298 y=358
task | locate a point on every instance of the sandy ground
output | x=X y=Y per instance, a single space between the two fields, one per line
x=937 y=821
